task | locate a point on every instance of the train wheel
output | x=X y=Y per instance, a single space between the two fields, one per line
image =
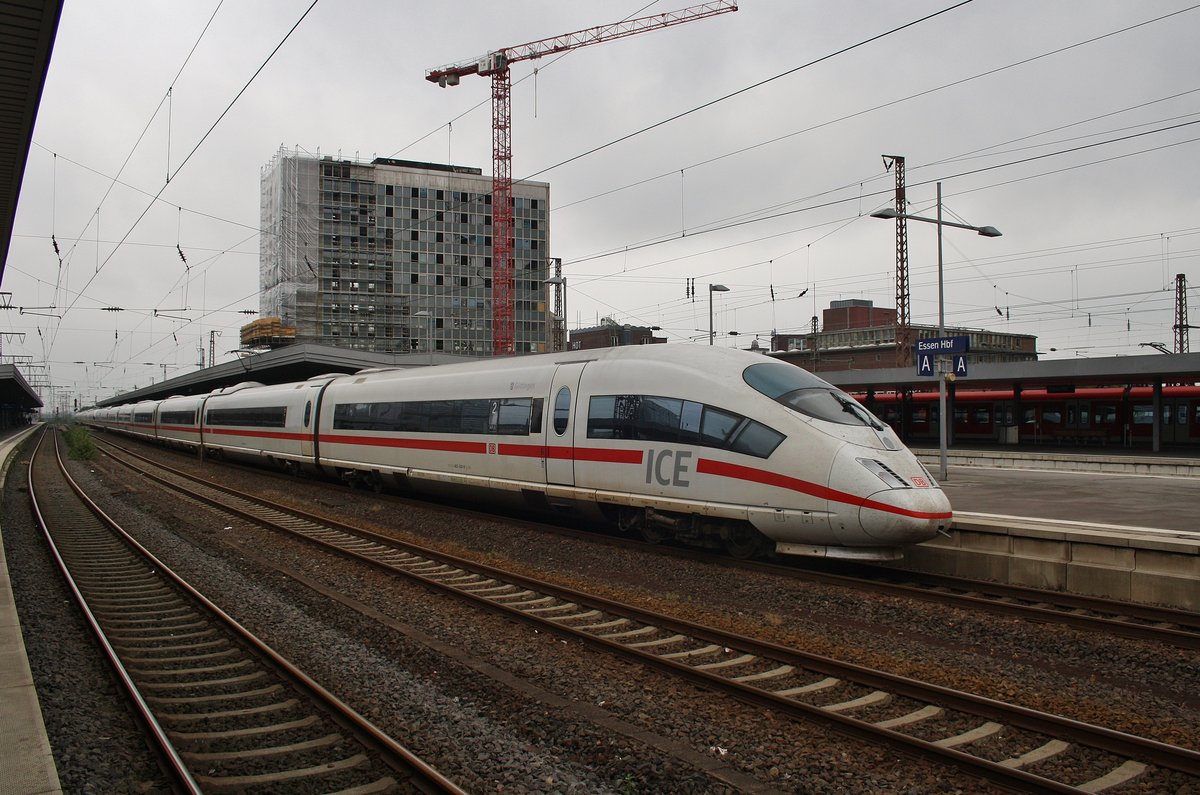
x=743 y=541
x=653 y=534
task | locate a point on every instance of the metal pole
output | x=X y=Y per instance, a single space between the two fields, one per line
x=566 y=335
x=710 y=315
x=942 y=474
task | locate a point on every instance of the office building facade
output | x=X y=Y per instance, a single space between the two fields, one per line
x=394 y=256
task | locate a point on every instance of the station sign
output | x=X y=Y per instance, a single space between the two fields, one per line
x=936 y=345
x=943 y=356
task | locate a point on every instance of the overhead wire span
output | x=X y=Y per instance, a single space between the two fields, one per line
x=195 y=148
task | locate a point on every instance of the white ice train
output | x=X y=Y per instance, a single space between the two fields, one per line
x=701 y=444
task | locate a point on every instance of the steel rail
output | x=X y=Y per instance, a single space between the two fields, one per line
x=175 y=767
x=1179 y=628
x=421 y=775
x=1128 y=746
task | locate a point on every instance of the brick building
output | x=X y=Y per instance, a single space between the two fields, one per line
x=857 y=335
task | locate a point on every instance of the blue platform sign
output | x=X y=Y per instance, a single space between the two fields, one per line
x=925 y=364
x=960 y=366
x=938 y=345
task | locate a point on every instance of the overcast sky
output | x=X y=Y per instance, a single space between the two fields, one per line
x=1070 y=126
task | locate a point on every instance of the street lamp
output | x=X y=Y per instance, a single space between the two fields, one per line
x=985 y=231
x=713 y=288
x=428 y=331
x=557 y=281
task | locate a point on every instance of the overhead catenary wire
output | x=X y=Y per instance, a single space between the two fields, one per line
x=194 y=149
x=847 y=222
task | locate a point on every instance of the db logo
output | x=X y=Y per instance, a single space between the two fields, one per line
x=920 y=482
x=491 y=448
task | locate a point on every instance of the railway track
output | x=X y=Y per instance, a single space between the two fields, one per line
x=1011 y=745
x=224 y=712
x=1179 y=628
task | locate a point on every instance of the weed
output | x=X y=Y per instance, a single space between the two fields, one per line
x=79 y=444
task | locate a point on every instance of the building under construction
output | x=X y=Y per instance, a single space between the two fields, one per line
x=394 y=256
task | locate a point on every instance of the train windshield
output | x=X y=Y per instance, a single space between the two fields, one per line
x=802 y=391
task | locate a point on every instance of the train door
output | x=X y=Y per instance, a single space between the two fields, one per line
x=565 y=416
x=1175 y=417
x=308 y=422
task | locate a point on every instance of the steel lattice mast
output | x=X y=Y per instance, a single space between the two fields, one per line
x=904 y=342
x=496 y=65
x=1181 y=316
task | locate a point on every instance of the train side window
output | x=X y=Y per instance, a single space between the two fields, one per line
x=1143 y=414
x=1106 y=414
x=1196 y=414
x=689 y=421
x=510 y=416
x=1166 y=414
x=1181 y=414
x=562 y=410
x=717 y=427
x=535 y=421
x=757 y=439
x=659 y=419
x=307 y=413
x=983 y=416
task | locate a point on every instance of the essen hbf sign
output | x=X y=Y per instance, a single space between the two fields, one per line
x=930 y=351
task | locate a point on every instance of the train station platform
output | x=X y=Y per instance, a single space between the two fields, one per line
x=1121 y=525
x=26 y=761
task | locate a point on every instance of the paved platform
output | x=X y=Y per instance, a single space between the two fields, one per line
x=26 y=762
x=1122 y=526
x=1162 y=502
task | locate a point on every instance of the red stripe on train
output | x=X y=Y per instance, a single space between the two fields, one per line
x=721 y=469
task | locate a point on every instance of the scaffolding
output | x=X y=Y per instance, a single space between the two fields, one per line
x=267 y=332
x=393 y=256
x=289 y=247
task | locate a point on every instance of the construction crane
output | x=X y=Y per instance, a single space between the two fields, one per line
x=496 y=65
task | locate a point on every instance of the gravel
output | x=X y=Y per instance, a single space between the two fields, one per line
x=498 y=708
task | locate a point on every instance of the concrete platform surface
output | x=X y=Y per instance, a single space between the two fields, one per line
x=26 y=762
x=1132 y=501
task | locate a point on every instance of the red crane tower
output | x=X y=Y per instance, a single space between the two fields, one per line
x=495 y=65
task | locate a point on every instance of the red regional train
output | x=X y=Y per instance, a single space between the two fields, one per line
x=1109 y=416
x=690 y=442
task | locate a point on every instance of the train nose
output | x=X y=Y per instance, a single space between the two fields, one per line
x=905 y=516
x=898 y=503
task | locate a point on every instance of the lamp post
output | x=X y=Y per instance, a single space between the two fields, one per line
x=561 y=281
x=428 y=331
x=985 y=231
x=713 y=288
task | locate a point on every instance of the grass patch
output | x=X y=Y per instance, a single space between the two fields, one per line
x=80 y=446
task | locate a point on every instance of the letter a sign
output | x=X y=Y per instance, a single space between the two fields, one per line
x=960 y=366
x=925 y=364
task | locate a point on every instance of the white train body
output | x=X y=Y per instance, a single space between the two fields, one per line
x=692 y=442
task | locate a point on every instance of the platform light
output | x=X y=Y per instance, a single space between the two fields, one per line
x=713 y=288
x=985 y=231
